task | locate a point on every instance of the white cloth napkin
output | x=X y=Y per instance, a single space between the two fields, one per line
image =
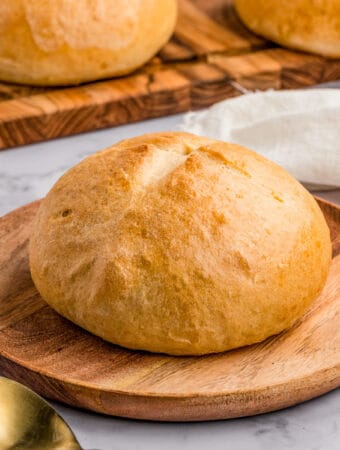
x=298 y=129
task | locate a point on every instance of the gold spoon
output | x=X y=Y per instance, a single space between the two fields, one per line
x=29 y=422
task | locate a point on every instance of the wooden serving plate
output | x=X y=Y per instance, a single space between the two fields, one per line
x=210 y=57
x=61 y=361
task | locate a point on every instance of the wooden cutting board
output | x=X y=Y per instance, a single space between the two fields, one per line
x=211 y=57
x=61 y=361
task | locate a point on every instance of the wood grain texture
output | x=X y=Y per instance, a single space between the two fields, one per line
x=61 y=361
x=210 y=57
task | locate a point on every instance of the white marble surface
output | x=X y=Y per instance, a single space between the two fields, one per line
x=26 y=174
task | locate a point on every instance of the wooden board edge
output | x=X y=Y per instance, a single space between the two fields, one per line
x=173 y=408
x=156 y=91
x=332 y=213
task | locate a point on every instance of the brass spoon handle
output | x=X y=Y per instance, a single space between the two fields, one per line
x=28 y=422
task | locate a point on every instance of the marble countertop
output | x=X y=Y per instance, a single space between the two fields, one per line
x=26 y=174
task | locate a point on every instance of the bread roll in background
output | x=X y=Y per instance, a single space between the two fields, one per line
x=58 y=42
x=309 y=25
x=180 y=244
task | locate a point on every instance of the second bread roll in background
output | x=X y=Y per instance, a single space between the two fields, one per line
x=310 y=25
x=57 y=42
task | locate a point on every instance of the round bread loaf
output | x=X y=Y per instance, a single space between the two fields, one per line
x=179 y=244
x=309 y=25
x=57 y=42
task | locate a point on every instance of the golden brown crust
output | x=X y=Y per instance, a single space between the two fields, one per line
x=68 y=42
x=312 y=26
x=176 y=243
